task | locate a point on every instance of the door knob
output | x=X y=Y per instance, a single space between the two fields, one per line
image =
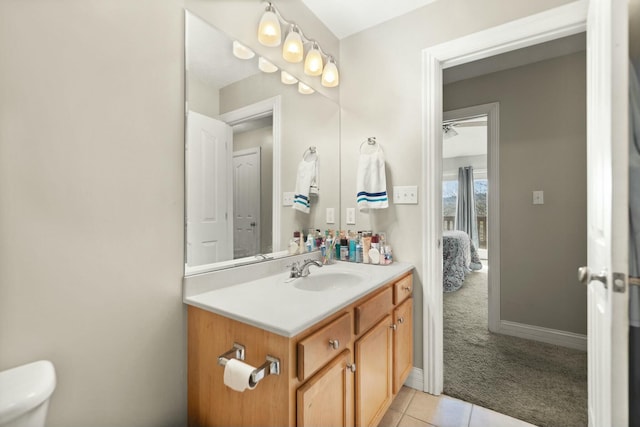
x=253 y=224
x=585 y=276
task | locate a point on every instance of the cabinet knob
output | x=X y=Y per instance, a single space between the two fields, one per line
x=351 y=367
x=400 y=319
x=406 y=288
x=334 y=344
x=394 y=327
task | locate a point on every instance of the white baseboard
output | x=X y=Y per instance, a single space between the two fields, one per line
x=538 y=333
x=415 y=379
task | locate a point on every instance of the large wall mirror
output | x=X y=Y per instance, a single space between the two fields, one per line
x=246 y=132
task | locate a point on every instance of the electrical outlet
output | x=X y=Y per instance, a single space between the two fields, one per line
x=331 y=216
x=287 y=198
x=538 y=197
x=405 y=195
x=351 y=216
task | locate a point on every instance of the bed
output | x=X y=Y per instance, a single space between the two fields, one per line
x=460 y=257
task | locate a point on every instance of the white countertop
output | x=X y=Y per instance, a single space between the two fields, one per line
x=276 y=304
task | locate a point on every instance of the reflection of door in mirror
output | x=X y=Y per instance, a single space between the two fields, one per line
x=209 y=186
x=246 y=202
x=253 y=186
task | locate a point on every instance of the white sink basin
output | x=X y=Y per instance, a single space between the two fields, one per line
x=321 y=280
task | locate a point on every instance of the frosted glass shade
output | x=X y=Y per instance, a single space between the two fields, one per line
x=266 y=66
x=287 y=78
x=241 y=51
x=304 y=89
x=269 y=33
x=292 y=50
x=313 y=62
x=330 y=76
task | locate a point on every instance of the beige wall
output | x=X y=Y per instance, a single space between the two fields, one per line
x=91 y=211
x=542 y=147
x=203 y=98
x=381 y=95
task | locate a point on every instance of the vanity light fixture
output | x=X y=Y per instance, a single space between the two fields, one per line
x=317 y=61
x=287 y=78
x=304 y=89
x=241 y=51
x=269 y=33
x=313 y=61
x=330 y=76
x=292 y=49
x=266 y=66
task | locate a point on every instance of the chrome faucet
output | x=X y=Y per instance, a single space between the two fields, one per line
x=302 y=270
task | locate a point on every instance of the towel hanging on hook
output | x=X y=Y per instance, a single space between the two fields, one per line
x=372 y=145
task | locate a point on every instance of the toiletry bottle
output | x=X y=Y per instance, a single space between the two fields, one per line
x=359 y=248
x=323 y=251
x=374 y=252
x=366 y=246
x=352 y=248
x=344 y=249
x=336 y=243
x=303 y=246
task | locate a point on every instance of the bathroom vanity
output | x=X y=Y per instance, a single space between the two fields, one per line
x=342 y=337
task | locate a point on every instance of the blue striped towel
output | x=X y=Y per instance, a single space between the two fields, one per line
x=371 y=184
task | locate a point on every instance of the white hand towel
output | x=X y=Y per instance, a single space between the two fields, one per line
x=315 y=180
x=371 y=183
x=306 y=172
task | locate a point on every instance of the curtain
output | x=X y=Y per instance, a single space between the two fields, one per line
x=466 y=219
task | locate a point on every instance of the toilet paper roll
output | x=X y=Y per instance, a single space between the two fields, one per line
x=237 y=375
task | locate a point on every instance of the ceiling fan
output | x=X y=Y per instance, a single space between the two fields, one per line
x=448 y=127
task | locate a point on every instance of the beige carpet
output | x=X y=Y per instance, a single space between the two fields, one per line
x=540 y=383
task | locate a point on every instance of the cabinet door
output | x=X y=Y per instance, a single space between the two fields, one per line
x=327 y=398
x=402 y=343
x=374 y=373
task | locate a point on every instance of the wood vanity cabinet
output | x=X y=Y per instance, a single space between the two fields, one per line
x=343 y=371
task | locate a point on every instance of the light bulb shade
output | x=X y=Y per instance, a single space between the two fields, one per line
x=313 y=62
x=304 y=89
x=269 y=33
x=241 y=51
x=292 y=50
x=287 y=78
x=330 y=76
x=266 y=66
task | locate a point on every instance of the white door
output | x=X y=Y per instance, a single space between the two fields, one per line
x=209 y=186
x=607 y=211
x=246 y=202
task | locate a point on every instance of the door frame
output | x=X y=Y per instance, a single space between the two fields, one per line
x=554 y=23
x=255 y=111
x=492 y=111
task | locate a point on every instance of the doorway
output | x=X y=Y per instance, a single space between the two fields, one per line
x=559 y=22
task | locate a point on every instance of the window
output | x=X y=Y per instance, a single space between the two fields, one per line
x=449 y=202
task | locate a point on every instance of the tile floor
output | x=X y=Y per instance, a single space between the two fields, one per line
x=412 y=408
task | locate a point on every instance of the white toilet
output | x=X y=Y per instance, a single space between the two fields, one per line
x=24 y=394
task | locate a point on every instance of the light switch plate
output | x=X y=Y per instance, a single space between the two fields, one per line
x=331 y=215
x=405 y=195
x=287 y=198
x=351 y=216
x=538 y=197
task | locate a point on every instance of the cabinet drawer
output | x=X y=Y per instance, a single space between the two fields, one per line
x=402 y=289
x=372 y=310
x=323 y=345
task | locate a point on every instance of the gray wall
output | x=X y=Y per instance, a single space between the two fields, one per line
x=542 y=147
x=91 y=211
